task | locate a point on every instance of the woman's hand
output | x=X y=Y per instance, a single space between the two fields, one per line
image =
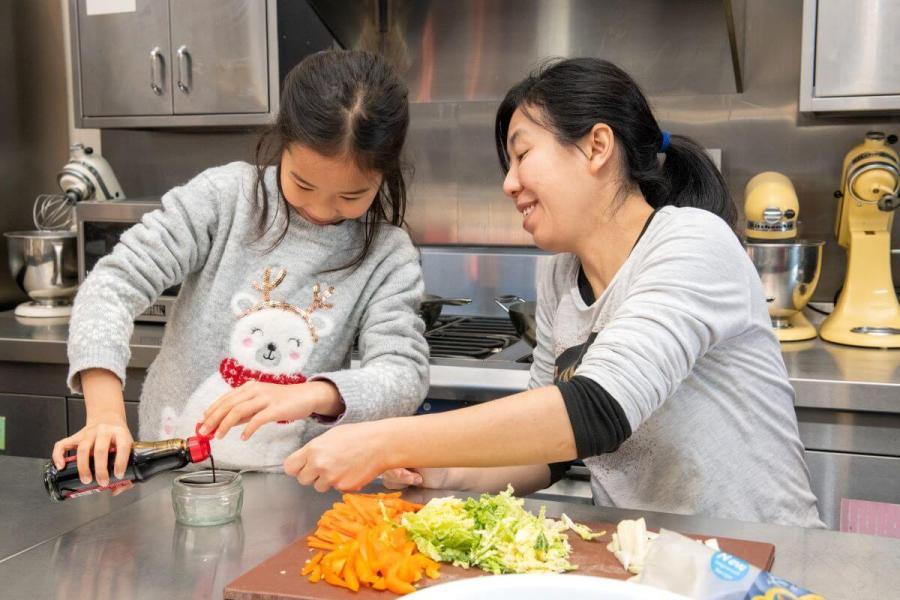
x=257 y=403
x=525 y=479
x=432 y=478
x=346 y=457
x=102 y=432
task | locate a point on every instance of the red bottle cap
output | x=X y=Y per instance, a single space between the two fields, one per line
x=199 y=445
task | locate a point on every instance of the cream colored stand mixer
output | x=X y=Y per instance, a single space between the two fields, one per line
x=788 y=268
x=867 y=312
x=86 y=176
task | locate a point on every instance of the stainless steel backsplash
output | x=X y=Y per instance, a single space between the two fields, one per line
x=455 y=194
x=481 y=274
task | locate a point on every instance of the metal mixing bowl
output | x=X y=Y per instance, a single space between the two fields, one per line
x=789 y=272
x=44 y=265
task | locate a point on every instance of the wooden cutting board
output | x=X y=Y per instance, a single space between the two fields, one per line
x=278 y=578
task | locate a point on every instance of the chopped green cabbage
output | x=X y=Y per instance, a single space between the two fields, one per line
x=494 y=532
x=583 y=531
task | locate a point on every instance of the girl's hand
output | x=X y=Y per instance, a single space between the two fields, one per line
x=257 y=403
x=431 y=478
x=101 y=433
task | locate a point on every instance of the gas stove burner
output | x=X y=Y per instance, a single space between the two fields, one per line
x=470 y=337
x=474 y=325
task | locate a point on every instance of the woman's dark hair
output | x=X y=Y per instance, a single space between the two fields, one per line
x=570 y=96
x=336 y=103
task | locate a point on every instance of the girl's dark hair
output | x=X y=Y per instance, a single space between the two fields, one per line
x=342 y=102
x=571 y=96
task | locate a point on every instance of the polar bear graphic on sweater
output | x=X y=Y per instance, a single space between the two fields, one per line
x=271 y=342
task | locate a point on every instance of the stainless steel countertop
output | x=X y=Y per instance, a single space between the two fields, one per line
x=29 y=517
x=824 y=375
x=136 y=550
x=36 y=340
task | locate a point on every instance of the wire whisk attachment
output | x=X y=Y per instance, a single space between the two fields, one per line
x=54 y=212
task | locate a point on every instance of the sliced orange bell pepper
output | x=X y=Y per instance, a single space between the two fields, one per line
x=316 y=575
x=362 y=543
x=312 y=563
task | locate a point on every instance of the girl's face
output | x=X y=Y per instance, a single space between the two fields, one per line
x=552 y=185
x=326 y=190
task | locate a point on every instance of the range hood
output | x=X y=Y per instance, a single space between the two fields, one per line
x=474 y=50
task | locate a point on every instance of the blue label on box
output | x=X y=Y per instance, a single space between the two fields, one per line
x=727 y=567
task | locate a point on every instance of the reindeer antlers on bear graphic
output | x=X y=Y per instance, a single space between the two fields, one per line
x=265 y=288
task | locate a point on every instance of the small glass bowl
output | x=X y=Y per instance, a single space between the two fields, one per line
x=200 y=502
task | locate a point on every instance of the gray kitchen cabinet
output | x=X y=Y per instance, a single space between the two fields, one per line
x=32 y=424
x=175 y=63
x=220 y=56
x=38 y=413
x=835 y=476
x=852 y=455
x=125 y=68
x=850 y=56
x=77 y=415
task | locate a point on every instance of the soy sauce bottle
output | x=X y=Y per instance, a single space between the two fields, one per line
x=147 y=459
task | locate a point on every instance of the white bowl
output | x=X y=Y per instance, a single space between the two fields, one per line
x=541 y=587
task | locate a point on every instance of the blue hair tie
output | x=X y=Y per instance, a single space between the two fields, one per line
x=665 y=142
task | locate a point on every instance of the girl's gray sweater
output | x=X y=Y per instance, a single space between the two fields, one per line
x=246 y=313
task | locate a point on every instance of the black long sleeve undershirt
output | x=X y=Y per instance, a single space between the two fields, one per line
x=598 y=421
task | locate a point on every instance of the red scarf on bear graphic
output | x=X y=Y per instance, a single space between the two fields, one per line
x=237 y=375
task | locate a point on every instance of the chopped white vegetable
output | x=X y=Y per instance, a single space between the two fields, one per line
x=712 y=543
x=631 y=542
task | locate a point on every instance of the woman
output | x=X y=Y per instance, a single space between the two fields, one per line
x=655 y=360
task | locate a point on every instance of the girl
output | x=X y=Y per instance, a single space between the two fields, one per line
x=655 y=360
x=280 y=268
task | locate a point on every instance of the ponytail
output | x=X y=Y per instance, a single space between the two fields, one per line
x=573 y=95
x=690 y=178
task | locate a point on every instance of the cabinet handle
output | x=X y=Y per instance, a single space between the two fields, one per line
x=184 y=70
x=156 y=66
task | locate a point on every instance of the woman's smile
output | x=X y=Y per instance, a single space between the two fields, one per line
x=529 y=216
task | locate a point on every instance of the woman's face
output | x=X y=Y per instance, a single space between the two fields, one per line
x=551 y=184
x=326 y=190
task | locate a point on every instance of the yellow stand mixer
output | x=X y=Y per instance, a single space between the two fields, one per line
x=788 y=268
x=867 y=312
